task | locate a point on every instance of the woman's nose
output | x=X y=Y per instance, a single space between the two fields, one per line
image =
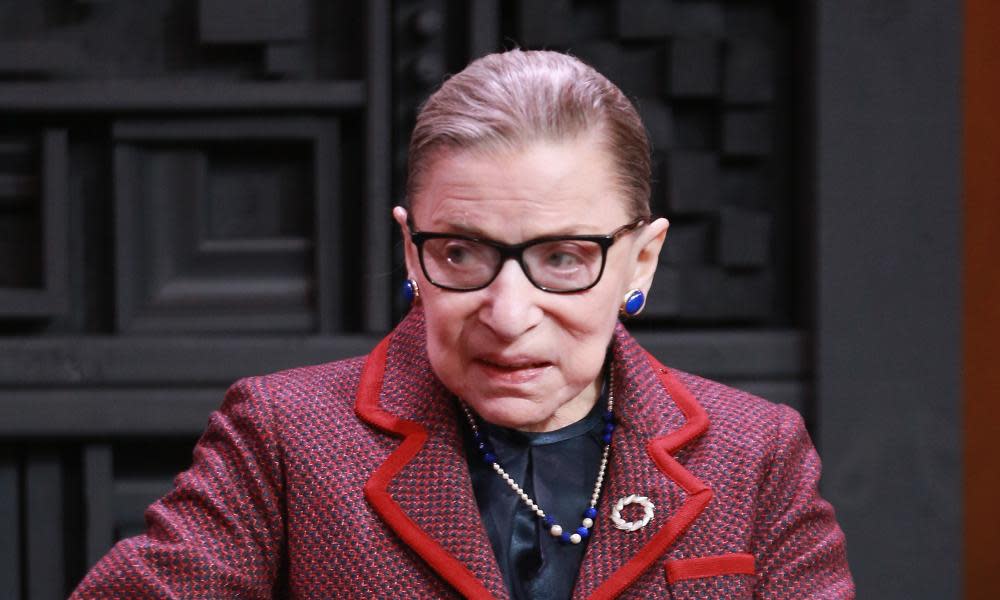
x=510 y=309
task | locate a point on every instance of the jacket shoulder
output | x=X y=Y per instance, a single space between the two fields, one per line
x=331 y=384
x=758 y=460
x=738 y=417
x=333 y=370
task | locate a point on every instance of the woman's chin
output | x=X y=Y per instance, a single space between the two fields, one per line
x=513 y=413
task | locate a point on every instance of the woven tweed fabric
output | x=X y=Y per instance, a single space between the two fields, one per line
x=274 y=503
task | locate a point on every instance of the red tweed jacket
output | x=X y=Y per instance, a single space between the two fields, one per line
x=348 y=480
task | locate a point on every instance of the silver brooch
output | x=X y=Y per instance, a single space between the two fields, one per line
x=620 y=523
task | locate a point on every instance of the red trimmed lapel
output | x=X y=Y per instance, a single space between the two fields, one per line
x=655 y=413
x=423 y=490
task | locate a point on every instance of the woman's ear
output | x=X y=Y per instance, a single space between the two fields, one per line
x=649 y=242
x=409 y=250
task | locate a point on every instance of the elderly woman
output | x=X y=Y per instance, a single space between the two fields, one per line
x=509 y=439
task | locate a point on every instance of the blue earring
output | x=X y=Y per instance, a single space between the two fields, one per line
x=633 y=303
x=410 y=291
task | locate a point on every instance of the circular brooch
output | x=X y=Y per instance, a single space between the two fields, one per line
x=620 y=523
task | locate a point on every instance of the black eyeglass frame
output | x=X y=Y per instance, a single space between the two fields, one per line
x=516 y=252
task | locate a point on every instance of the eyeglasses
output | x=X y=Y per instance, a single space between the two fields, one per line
x=561 y=264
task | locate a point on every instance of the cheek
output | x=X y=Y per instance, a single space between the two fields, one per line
x=446 y=316
x=585 y=321
x=586 y=325
x=600 y=310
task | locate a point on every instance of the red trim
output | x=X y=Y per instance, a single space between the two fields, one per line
x=710 y=566
x=414 y=436
x=699 y=495
x=455 y=572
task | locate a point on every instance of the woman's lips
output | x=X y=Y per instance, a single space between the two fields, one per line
x=511 y=372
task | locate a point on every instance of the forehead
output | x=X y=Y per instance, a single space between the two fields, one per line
x=543 y=188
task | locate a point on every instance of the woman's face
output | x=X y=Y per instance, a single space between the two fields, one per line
x=519 y=356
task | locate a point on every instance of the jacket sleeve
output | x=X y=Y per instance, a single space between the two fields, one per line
x=219 y=532
x=799 y=548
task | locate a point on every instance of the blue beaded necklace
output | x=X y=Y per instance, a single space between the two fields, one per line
x=555 y=529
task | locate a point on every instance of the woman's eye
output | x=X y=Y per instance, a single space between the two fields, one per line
x=562 y=260
x=460 y=253
x=456 y=255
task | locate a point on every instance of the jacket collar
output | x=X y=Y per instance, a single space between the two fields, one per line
x=424 y=493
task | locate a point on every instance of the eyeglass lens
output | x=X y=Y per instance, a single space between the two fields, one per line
x=560 y=265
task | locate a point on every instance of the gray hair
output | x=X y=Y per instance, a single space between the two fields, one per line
x=502 y=102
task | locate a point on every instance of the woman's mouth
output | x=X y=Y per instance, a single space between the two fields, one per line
x=511 y=371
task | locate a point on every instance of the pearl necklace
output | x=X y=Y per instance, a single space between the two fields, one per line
x=555 y=529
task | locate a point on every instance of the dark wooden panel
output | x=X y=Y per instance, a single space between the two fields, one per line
x=27 y=303
x=178 y=272
x=219 y=129
x=747 y=133
x=106 y=411
x=744 y=239
x=228 y=22
x=693 y=178
x=747 y=355
x=37 y=57
x=713 y=18
x=706 y=294
x=55 y=214
x=59 y=362
x=643 y=19
x=694 y=67
x=333 y=251
x=44 y=522
x=690 y=244
x=378 y=285
x=484 y=27
x=98 y=483
x=179 y=39
x=179 y=96
x=45 y=295
x=10 y=523
x=749 y=71
x=560 y=22
x=14 y=188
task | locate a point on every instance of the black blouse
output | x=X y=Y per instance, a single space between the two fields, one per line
x=558 y=470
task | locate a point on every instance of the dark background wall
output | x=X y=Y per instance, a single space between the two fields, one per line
x=888 y=216
x=196 y=190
